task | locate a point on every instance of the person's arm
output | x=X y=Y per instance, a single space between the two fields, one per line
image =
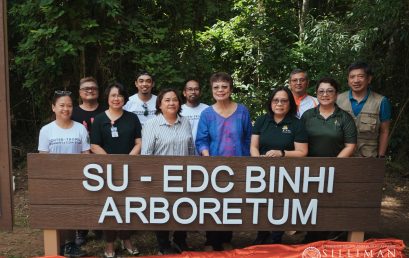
x=385 y=115
x=247 y=133
x=95 y=148
x=136 y=150
x=148 y=139
x=350 y=136
x=202 y=136
x=254 y=145
x=300 y=150
x=347 y=151
x=383 y=138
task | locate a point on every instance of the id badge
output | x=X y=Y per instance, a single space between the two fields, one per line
x=114 y=132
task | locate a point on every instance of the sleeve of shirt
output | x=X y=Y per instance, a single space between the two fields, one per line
x=127 y=105
x=301 y=134
x=191 y=145
x=85 y=139
x=349 y=128
x=202 y=135
x=43 y=143
x=247 y=132
x=96 y=133
x=385 y=113
x=148 y=138
x=257 y=125
x=138 y=133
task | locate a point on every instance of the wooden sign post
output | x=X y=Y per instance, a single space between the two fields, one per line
x=125 y=192
x=6 y=216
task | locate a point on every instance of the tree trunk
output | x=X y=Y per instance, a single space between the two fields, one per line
x=302 y=17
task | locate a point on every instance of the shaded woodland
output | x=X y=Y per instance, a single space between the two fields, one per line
x=53 y=43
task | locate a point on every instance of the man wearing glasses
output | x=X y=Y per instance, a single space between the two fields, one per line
x=89 y=107
x=143 y=103
x=298 y=86
x=370 y=110
x=192 y=108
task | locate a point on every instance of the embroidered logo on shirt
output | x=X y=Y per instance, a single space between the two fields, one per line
x=285 y=129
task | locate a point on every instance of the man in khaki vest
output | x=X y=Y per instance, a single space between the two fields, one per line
x=371 y=112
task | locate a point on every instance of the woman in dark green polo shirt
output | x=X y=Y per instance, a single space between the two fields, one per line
x=331 y=130
x=278 y=134
x=331 y=133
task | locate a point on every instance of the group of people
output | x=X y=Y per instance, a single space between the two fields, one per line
x=353 y=123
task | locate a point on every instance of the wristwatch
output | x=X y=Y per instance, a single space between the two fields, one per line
x=282 y=153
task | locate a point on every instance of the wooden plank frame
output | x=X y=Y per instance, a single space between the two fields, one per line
x=58 y=199
x=6 y=204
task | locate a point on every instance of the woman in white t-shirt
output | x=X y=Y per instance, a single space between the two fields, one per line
x=64 y=136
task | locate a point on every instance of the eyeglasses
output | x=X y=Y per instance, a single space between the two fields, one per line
x=89 y=89
x=298 y=80
x=192 y=89
x=329 y=92
x=282 y=101
x=145 y=107
x=62 y=93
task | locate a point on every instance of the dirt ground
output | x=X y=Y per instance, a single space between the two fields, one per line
x=26 y=242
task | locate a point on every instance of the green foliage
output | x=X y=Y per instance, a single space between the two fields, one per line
x=53 y=43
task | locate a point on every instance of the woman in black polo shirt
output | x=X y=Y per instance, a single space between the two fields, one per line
x=278 y=134
x=116 y=131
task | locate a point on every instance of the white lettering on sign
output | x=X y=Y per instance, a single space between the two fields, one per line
x=209 y=209
x=99 y=180
x=228 y=210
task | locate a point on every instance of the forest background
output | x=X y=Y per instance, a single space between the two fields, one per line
x=53 y=43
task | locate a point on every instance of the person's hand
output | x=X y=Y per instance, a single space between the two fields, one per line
x=274 y=154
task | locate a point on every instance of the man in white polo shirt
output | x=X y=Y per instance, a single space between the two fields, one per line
x=143 y=103
x=192 y=108
x=298 y=86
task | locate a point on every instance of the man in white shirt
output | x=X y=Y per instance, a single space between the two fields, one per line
x=298 y=86
x=143 y=103
x=192 y=108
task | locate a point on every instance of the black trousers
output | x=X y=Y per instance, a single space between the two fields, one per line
x=217 y=238
x=163 y=238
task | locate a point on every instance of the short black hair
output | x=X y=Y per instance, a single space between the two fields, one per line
x=144 y=72
x=160 y=97
x=361 y=65
x=293 y=106
x=190 y=79
x=329 y=80
x=121 y=90
x=60 y=93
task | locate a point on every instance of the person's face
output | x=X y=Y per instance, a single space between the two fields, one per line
x=192 y=92
x=115 y=99
x=299 y=84
x=326 y=94
x=63 y=108
x=88 y=91
x=144 y=83
x=280 y=103
x=358 y=80
x=169 y=104
x=221 y=90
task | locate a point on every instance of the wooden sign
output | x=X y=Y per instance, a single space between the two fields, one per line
x=204 y=193
x=6 y=215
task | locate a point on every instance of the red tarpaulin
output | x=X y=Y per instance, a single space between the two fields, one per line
x=373 y=248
